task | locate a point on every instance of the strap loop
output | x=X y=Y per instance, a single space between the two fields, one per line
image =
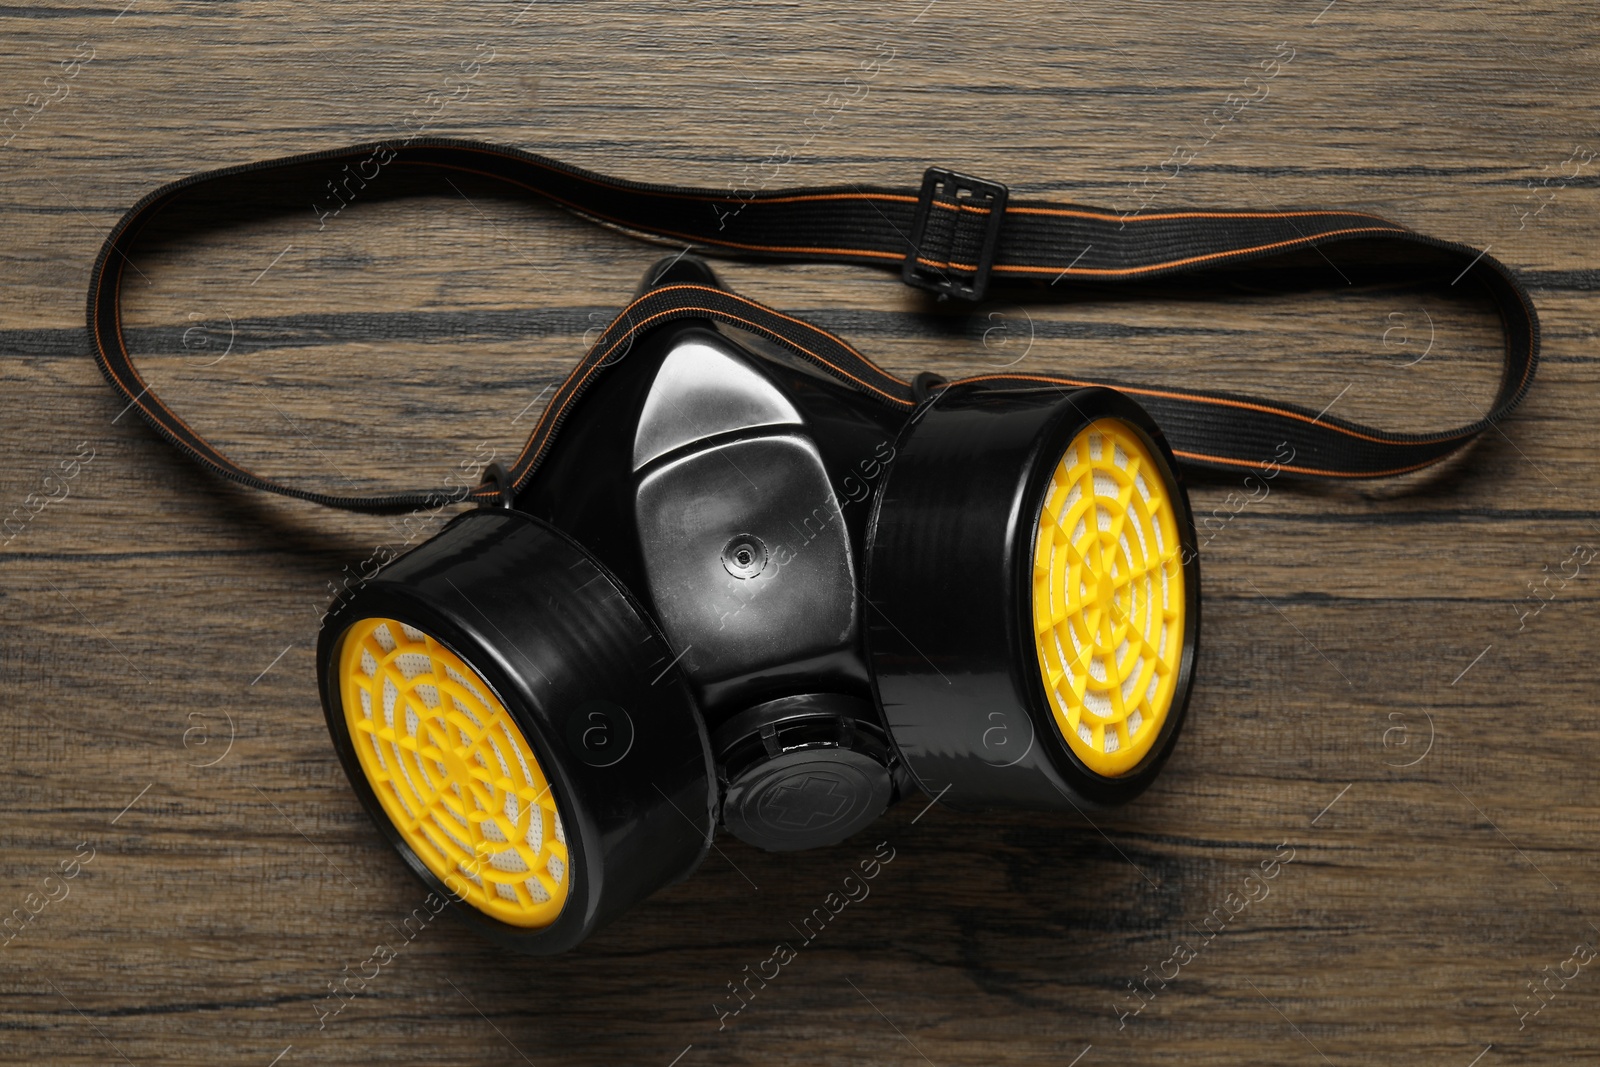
x=496 y=485
x=923 y=385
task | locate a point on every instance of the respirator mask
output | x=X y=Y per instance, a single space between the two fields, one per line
x=743 y=580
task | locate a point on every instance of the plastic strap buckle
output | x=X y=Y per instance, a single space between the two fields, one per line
x=954 y=234
x=497 y=477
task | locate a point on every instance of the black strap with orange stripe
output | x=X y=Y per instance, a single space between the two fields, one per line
x=954 y=236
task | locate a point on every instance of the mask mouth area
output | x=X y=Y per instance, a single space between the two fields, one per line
x=1108 y=605
x=454 y=773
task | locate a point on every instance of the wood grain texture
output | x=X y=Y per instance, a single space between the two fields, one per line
x=152 y=606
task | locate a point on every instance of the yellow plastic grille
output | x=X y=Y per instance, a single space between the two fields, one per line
x=1108 y=599
x=454 y=773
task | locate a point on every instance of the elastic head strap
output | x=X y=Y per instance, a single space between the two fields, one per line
x=939 y=237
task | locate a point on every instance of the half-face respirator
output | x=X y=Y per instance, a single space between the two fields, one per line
x=742 y=579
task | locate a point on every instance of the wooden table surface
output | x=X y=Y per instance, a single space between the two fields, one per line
x=1395 y=710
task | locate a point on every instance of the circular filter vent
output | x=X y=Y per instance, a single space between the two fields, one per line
x=1108 y=597
x=454 y=773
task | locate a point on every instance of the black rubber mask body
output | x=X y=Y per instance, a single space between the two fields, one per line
x=743 y=579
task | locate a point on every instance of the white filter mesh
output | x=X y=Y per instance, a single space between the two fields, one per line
x=1129 y=684
x=508 y=861
x=412 y=664
x=465 y=683
x=535 y=836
